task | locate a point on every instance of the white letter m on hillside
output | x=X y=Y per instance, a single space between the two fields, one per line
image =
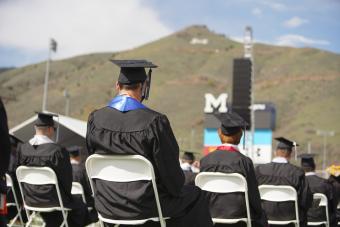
x=211 y=103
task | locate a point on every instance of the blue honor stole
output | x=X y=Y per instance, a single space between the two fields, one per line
x=125 y=103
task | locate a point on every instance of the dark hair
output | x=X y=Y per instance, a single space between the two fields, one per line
x=308 y=168
x=129 y=86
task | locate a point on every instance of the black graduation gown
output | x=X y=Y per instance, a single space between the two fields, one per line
x=232 y=205
x=5 y=147
x=189 y=177
x=285 y=174
x=315 y=213
x=80 y=176
x=335 y=182
x=147 y=133
x=57 y=158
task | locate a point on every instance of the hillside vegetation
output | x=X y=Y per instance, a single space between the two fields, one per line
x=303 y=83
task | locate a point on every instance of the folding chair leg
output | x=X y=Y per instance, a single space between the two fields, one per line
x=64 y=223
x=30 y=219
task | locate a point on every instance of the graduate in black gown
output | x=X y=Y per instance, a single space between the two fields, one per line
x=334 y=179
x=41 y=150
x=12 y=210
x=228 y=159
x=319 y=185
x=79 y=175
x=125 y=127
x=187 y=164
x=5 y=151
x=281 y=172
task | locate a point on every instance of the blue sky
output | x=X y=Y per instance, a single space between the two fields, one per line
x=86 y=26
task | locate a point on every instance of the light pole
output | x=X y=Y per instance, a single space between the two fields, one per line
x=248 y=54
x=67 y=104
x=52 y=47
x=325 y=134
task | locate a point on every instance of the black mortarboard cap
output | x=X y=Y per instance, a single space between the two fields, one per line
x=133 y=71
x=14 y=140
x=74 y=151
x=187 y=155
x=45 y=119
x=307 y=160
x=285 y=144
x=231 y=122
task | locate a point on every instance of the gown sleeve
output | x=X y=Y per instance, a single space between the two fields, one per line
x=63 y=169
x=166 y=156
x=5 y=147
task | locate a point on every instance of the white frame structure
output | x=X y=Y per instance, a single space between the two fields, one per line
x=225 y=183
x=323 y=203
x=9 y=182
x=123 y=168
x=40 y=176
x=281 y=193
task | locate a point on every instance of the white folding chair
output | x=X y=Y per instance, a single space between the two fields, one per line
x=40 y=176
x=338 y=208
x=225 y=183
x=77 y=189
x=10 y=185
x=281 y=193
x=323 y=203
x=123 y=168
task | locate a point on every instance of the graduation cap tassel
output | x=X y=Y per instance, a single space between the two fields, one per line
x=146 y=86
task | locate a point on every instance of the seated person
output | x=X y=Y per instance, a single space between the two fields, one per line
x=12 y=210
x=318 y=185
x=79 y=175
x=227 y=159
x=189 y=167
x=281 y=172
x=334 y=179
x=42 y=151
x=127 y=127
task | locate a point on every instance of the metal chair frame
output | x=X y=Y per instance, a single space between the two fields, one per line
x=123 y=168
x=40 y=176
x=225 y=183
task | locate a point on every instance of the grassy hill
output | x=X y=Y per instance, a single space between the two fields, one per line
x=303 y=83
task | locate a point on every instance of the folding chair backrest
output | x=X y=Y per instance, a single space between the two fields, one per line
x=221 y=182
x=224 y=183
x=322 y=198
x=36 y=175
x=278 y=193
x=119 y=168
x=9 y=181
x=77 y=189
x=122 y=168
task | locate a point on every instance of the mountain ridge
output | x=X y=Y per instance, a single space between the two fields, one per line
x=304 y=84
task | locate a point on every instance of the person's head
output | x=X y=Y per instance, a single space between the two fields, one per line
x=44 y=125
x=284 y=153
x=133 y=79
x=284 y=148
x=188 y=157
x=133 y=90
x=74 y=152
x=231 y=129
x=307 y=162
x=230 y=138
x=45 y=131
